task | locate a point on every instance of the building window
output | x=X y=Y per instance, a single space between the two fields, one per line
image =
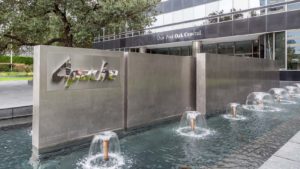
x=280 y=48
x=256 y=4
x=226 y=6
x=293 y=50
x=240 y=4
x=226 y=48
x=243 y=48
x=269 y=46
x=209 y=48
x=256 y=48
x=179 y=51
x=293 y=6
x=276 y=8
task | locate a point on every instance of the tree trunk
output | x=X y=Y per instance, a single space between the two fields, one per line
x=68 y=36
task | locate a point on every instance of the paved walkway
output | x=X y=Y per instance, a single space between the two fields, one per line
x=287 y=157
x=15 y=94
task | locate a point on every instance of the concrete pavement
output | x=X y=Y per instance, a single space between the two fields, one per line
x=15 y=100
x=287 y=157
x=15 y=94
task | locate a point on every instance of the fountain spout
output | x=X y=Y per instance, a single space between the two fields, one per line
x=233 y=110
x=193 y=124
x=105 y=150
x=192 y=116
x=260 y=104
x=277 y=98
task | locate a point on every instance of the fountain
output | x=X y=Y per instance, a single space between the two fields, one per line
x=104 y=152
x=193 y=124
x=281 y=96
x=233 y=112
x=293 y=91
x=260 y=102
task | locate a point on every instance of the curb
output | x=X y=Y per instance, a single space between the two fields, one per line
x=15 y=112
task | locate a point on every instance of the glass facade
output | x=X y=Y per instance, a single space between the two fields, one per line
x=273 y=46
x=226 y=48
x=181 y=51
x=269 y=48
x=282 y=46
x=183 y=11
x=176 y=11
x=248 y=48
x=293 y=49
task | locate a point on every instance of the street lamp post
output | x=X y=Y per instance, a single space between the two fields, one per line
x=11 y=55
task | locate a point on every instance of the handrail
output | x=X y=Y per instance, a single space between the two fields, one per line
x=132 y=32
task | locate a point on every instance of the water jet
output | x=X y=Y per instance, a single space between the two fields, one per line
x=193 y=124
x=281 y=96
x=293 y=91
x=233 y=112
x=260 y=102
x=104 y=152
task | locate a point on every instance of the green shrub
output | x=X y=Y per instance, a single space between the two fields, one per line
x=4 y=67
x=22 y=68
x=17 y=59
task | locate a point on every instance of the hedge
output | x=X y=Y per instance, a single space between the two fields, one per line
x=20 y=67
x=17 y=59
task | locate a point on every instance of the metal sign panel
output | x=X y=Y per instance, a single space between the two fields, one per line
x=67 y=72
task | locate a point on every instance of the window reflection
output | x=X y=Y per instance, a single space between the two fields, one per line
x=294 y=6
x=225 y=6
x=276 y=8
x=226 y=48
x=248 y=48
x=243 y=47
x=180 y=51
x=212 y=8
x=269 y=46
x=209 y=48
x=293 y=49
x=280 y=48
x=218 y=7
x=270 y=2
x=199 y=11
x=256 y=3
x=241 y=4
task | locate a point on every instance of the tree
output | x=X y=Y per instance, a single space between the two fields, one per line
x=69 y=22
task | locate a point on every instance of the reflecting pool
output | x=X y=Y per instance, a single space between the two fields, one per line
x=234 y=144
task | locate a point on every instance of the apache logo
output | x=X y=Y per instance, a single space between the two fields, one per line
x=65 y=72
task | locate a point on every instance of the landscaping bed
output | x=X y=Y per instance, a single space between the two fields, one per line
x=21 y=69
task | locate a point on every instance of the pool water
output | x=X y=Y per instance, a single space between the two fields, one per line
x=234 y=144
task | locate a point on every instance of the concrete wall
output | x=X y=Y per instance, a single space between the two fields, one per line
x=153 y=89
x=159 y=86
x=225 y=79
x=61 y=115
x=149 y=89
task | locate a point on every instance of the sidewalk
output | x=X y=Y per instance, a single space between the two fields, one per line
x=287 y=157
x=15 y=94
x=15 y=100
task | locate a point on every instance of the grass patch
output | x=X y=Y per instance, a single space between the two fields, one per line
x=14 y=78
x=16 y=74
